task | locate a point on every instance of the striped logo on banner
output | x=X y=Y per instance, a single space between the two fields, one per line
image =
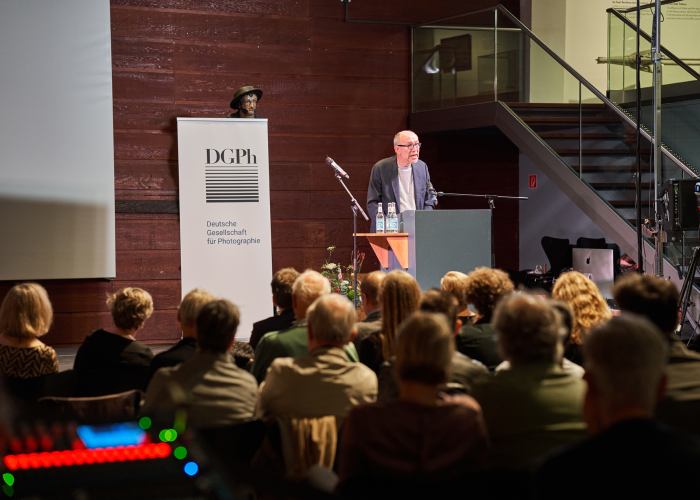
x=232 y=183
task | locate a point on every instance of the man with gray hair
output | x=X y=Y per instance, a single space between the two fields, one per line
x=292 y=342
x=324 y=382
x=629 y=455
x=535 y=405
x=402 y=179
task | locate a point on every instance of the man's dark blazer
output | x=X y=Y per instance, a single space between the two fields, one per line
x=182 y=351
x=384 y=187
x=272 y=324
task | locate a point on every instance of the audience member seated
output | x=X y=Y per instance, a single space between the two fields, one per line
x=566 y=317
x=534 y=406
x=293 y=341
x=324 y=382
x=25 y=315
x=281 y=285
x=111 y=362
x=187 y=313
x=400 y=296
x=658 y=299
x=629 y=455
x=209 y=386
x=424 y=440
x=456 y=283
x=485 y=287
x=588 y=305
x=464 y=372
x=371 y=306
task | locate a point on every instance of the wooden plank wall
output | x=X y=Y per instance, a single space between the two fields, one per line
x=331 y=88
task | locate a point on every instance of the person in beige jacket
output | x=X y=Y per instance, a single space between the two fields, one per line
x=324 y=382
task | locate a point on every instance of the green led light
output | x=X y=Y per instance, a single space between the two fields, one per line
x=167 y=435
x=180 y=452
x=8 y=490
x=145 y=423
x=8 y=478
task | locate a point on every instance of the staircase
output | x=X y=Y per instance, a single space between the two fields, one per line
x=603 y=154
x=587 y=150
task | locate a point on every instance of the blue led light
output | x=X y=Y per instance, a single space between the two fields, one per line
x=124 y=434
x=191 y=468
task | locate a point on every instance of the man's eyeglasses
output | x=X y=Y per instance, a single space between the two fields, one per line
x=416 y=145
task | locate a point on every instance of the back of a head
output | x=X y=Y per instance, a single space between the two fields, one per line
x=486 y=287
x=331 y=319
x=653 y=297
x=281 y=285
x=440 y=301
x=528 y=329
x=372 y=286
x=626 y=359
x=400 y=297
x=191 y=304
x=587 y=303
x=130 y=307
x=309 y=286
x=26 y=311
x=566 y=315
x=217 y=323
x=455 y=283
x=424 y=349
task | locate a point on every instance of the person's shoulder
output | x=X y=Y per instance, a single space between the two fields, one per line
x=384 y=162
x=284 y=364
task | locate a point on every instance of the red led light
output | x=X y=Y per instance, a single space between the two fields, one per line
x=42 y=460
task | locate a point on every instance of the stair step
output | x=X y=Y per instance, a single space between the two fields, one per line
x=552 y=105
x=627 y=203
x=619 y=186
x=594 y=152
x=566 y=134
x=535 y=121
x=606 y=168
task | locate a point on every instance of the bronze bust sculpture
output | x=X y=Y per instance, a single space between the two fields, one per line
x=245 y=102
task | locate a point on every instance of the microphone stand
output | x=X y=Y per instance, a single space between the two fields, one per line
x=491 y=198
x=355 y=207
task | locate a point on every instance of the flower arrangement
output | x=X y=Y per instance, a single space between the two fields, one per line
x=340 y=276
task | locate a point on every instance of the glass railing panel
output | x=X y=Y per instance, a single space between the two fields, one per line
x=622 y=47
x=511 y=52
x=453 y=62
x=679 y=28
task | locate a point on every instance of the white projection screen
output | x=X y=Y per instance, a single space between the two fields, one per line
x=56 y=140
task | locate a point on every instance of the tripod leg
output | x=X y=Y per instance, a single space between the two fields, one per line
x=687 y=288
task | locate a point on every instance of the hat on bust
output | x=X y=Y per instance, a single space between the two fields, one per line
x=246 y=89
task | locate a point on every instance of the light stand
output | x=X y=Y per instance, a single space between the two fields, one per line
x=492 y=205
x=355 y=207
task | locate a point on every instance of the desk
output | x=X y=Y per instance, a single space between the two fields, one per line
x=383 y=243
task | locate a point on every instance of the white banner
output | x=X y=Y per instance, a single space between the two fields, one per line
x=225 y=241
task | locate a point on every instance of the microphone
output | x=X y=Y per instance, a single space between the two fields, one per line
x=336 y=167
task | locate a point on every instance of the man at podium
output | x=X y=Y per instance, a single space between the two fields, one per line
x=402 y=179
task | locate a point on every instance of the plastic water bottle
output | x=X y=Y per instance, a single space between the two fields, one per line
x=379 y=227
x=392 y=219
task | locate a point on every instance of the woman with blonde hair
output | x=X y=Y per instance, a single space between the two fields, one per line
x=400 y=296
x=114 y=361
x=456 y=284
x=25 y=315
x=588 y=305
